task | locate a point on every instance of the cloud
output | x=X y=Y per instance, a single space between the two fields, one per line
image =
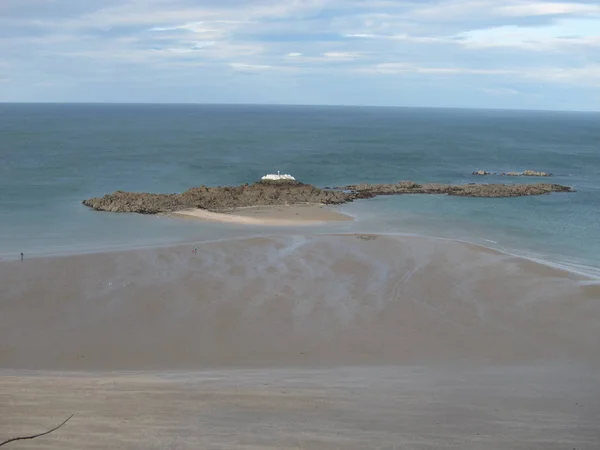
x=411 y=68
x=162 y=15
x=547 y=9
x=485 y=9
x=191 y=48
x=589 y=74
x=192 y=43
x=243 y=67
x=402 y=37
x=217 y=29
x=499 y=91
x=198 y=27
x=572 y=75
x=202 y=44
x=563 y=35
x=342 y=56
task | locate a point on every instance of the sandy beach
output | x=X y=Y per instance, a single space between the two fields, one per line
x=347 y=341
x=269 y=215
x=356 y=408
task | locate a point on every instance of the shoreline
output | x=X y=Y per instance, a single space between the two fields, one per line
x=269 y=215
x=588 y=272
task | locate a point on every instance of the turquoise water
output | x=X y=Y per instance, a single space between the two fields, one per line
x=53 y=156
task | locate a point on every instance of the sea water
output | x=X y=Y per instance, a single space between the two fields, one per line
x=53 y=156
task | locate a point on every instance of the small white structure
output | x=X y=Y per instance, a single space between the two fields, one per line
x=278 y=177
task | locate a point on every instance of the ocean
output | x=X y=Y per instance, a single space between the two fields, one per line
x=52 y=156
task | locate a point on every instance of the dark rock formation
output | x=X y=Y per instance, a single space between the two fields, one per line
x=465 y=190
x=289 y=193
x=217 y=198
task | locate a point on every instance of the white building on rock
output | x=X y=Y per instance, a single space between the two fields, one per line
x=278 y=177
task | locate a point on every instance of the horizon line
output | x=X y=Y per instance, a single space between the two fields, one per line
x=475 y=108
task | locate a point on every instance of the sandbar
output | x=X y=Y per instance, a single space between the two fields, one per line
x=309 y=214
x=286 y=300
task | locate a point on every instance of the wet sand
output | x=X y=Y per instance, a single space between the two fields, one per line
x=424 y=408
x=269 y=215
x=300 y=342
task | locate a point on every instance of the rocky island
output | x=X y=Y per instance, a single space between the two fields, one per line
x=262 y=193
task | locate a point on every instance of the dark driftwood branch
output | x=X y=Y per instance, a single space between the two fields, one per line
x=24 y=438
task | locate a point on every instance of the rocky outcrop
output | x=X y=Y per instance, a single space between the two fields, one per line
x=289 y=193
x=217 y=198
x=465 y=190
x=530 y=173
x=525 y=173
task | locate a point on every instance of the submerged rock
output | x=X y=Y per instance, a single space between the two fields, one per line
x=290 y=193
x=533 y=173
x=525 y=173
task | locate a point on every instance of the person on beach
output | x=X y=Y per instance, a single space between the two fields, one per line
x=21 y=256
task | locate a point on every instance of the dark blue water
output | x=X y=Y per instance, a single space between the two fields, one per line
x=53 y=156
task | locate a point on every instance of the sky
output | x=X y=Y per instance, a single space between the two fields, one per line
x=521 y=54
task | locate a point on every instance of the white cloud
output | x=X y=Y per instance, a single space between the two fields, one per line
x=481 y=9
x=243 y=67
x=191 y=48
x=322 y=59
x=587 y=75
x=563 y=34
x=500 y=91
x=218 y=29
x=189 y=15
x=401 y=37
x=203 y=44
x=450 y=10
x=198 y=27
x=406 y=68
x=534 y=8
x=342 y=56
x=531 y=40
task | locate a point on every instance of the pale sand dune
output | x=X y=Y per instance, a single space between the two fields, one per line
x=270 y=215
x=300 y=342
